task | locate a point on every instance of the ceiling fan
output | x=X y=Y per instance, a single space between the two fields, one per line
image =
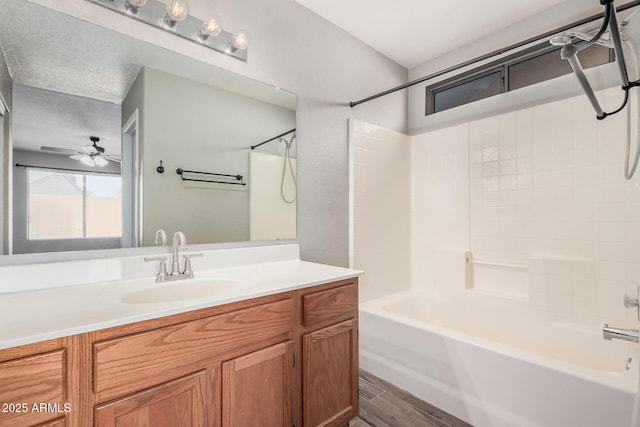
x=89 y=155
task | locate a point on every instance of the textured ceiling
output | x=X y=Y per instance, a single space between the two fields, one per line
x=68 y=125
x=414 y=31
x=46 y=49
x=49 y=50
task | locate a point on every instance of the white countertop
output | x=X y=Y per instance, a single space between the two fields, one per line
x=41 y=314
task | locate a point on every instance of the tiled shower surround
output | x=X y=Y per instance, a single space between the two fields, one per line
x=539 y=191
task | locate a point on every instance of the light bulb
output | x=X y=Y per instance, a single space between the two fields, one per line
x=100 y=161
x=240 y=40
x=210 y=27
x=88 y=161
x=133 y=6
x=177 y=10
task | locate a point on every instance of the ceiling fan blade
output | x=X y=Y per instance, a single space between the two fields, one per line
x=89 y=149
x=77 y=156
x=100 y=161
x=59 y=150
x=112 y=158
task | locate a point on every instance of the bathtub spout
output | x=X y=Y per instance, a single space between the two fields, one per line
x=609 y=333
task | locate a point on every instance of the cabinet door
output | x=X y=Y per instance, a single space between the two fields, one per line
x=177 y=403
x=330 y=377
x=32 y=380
x=256 y=388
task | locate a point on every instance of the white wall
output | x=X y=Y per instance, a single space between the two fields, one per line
x=380 y=208
x=439 y=208
x=324 y=66
x=270 y=216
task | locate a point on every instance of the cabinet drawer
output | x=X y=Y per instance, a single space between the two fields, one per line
x=330 y=304
x=137 y=361
x=38 y=379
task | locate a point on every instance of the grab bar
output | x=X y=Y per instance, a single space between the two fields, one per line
x=497 y=263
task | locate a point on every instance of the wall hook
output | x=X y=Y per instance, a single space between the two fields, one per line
x=160 y=169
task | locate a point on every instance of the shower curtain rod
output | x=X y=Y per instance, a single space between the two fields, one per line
x=253 y=147
x=19 y=165
x=492 y=54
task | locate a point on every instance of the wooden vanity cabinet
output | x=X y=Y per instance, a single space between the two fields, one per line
x=247 y=363
x=330 y=355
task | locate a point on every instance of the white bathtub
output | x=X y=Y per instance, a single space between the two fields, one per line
x=492 y=363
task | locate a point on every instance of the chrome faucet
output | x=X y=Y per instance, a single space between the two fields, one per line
x=609 y=333
x=161 y=238
x=632 y=335
x=179 y=243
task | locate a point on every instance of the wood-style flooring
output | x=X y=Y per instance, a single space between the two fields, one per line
x=384 y=405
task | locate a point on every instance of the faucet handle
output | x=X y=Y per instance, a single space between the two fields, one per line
x=187 y=262
x=193 y=255
x=156 y=258
x=162 y=272
x=631 y=302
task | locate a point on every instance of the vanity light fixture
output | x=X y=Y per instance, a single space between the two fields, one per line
x=177 y=10
x=174 y=17
x=133 y=6
x=240 y=41
x=210 y=27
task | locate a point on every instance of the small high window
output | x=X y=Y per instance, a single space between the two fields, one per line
x=533 y=65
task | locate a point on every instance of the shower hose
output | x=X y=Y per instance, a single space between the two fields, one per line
x=629 y=171
x=287 y=161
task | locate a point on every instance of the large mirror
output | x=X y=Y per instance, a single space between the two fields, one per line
x=98 y=124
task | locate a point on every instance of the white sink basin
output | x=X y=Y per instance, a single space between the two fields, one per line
x=181 y=290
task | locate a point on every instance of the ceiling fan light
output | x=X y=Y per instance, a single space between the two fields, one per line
x=88 y=161
x=100 y=161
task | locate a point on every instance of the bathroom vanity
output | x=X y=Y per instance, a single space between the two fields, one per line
x=283 y=358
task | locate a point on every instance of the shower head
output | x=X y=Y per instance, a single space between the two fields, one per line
x=289 y=142
x=570 y=53
x=563 y=39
